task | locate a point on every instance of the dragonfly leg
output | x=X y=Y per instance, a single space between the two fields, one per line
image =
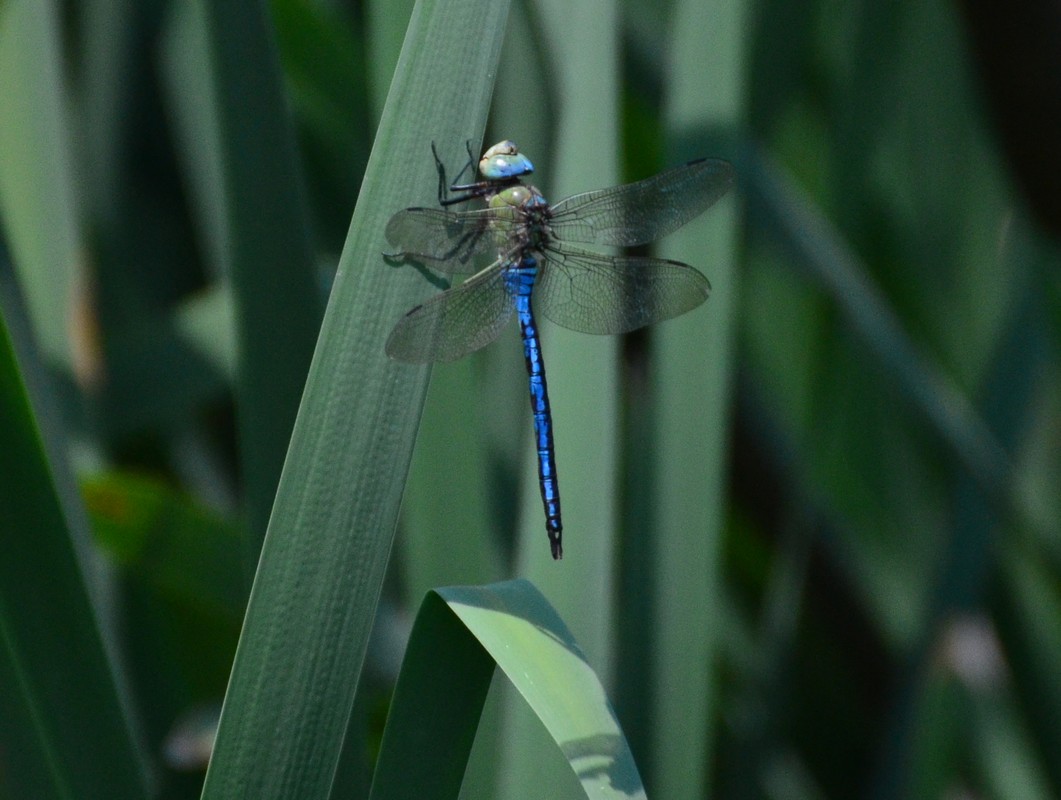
x=443 y=194
x=470 y=191
x=469 y=165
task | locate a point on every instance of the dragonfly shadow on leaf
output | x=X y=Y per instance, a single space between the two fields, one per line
x=405 y=259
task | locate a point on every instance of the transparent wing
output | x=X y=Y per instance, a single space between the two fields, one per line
x=449 y=241
x=639 y=213
x=457 y=322
x=593 y=293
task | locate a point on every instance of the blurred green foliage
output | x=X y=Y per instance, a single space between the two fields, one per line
x=815 y=547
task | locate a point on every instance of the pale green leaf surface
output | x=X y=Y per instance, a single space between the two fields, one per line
x=36 y=173
x=329 y=538
x=447 y=533
x=447 y=673
x=693 y=372
x=526 y=637
x=204 y=322
x=385 y=21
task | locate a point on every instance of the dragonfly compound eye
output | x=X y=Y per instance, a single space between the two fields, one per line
x=503 y=166
x=504 y=161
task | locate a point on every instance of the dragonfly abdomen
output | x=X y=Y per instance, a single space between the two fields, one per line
x=520 y=280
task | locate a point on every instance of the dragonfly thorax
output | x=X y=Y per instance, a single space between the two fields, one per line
x=529 y=211
x=525 y=198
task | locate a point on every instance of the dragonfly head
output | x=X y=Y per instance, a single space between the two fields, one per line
x=503 y=161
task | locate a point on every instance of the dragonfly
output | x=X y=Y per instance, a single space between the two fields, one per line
x=534 y=268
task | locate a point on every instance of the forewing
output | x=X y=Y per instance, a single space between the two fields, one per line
x=593 y=293
x=449 y=241
x=639 y=213
x=452 y=324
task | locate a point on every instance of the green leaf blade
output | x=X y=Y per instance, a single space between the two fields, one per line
x=329 y=537
x=68 y=743
x=446 y=674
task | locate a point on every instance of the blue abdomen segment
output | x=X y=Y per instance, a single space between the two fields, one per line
x=520 y=280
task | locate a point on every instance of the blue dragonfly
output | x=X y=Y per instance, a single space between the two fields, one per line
x=534 y=268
